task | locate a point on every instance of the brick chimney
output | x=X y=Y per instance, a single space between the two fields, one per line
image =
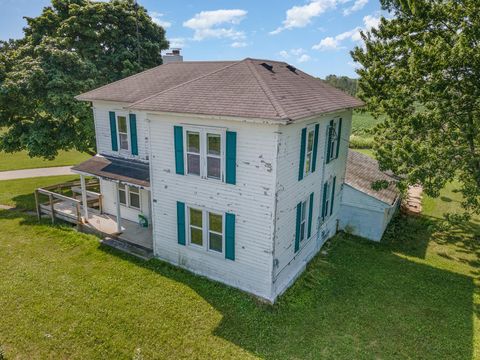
x=173 y=56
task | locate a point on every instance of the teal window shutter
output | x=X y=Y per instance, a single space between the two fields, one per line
x=181 y=222
x=310 y=215
x=315 y=148
x=333 y=195
x=229 y=236
x=231 y=158
x=339 y=136
x=302 y=154
x=324 y=200
x=133 y=134
x=178 y=138
x=113 y=130
x=297 y=227
x=329 y=141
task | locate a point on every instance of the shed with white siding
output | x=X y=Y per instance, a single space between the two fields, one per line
x=369 y=199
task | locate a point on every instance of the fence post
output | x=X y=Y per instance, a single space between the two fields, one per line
x=52 y=208
x=37 y=205
x=100 y=203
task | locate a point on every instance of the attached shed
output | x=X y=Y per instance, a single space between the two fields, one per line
x=365 y=211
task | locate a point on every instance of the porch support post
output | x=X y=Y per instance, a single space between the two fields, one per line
x=84 y=197
x=119 y=215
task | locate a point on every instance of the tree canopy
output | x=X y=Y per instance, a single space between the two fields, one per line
x=344 y=83
x=421 y=70
x=72 y=47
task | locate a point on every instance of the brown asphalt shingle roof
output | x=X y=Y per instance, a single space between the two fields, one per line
x=227 y=88
x=362 y=171
x=108 y=167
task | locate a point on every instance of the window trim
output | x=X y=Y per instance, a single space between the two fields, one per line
x=328 y=200
x=204 y=131
x=310 y=129
x=205 y=230
x=127 y=196
x=333 y=141
x=126 y=116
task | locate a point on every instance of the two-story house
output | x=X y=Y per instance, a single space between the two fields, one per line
x=238 y=166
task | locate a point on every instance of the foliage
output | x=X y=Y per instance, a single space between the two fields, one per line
x=72 y=47
x=420 y=70
x=344 y=83
x=361 y=141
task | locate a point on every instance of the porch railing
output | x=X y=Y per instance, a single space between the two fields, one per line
x=65 y=193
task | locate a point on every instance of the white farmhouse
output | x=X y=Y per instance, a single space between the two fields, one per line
x=236 y=168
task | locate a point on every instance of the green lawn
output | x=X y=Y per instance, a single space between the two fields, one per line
x=362 y=125
x=19 y=193
x=415 y=295
x=21 y=160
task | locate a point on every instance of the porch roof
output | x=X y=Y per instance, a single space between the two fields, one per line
x=111 y=168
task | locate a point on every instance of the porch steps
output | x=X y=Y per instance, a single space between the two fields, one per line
x=128 y=247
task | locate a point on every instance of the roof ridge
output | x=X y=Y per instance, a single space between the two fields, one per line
x=182 y=84
x=276 y=105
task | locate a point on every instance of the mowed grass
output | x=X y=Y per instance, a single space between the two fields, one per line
x=362 y=126
x=19 y=193
x=21 y=160
x=415 y=295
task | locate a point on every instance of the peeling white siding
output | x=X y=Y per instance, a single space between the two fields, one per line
x=290 y=191
x=251 y=200
x=102 y=129
x=107 y=189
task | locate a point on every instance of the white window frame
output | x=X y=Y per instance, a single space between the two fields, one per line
x=205 y=230
x=334 y=140
x=310 y=129
x=125 y=115
x=328 y=196
x=305 y=208
x=127 y=196
x=204 y=131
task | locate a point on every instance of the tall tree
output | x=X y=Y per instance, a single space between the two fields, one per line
x=72 y=47
x=344 y=83
x=421 y=70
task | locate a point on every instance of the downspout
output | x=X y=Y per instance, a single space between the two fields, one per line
x=275 y=205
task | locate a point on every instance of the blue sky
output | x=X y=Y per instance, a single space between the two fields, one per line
x=313 y=35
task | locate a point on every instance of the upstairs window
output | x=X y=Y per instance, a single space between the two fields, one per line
x=205 y=153
x=309 y=149
x=122 y=126
x=334 y=131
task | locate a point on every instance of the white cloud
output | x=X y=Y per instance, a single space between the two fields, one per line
x=299 y=55
x=238 y=44
x=371 y=21
x=157 y=19
x=211 y=24
x=334 y=43
x=177 y=42
x=357 y=5
x=304 y=58
x=301 y=16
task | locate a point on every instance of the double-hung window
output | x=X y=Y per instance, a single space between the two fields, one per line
x=205 y=152
x=129 y=196
x=206 y=230
x=333 y=139
x=309 y=149
x=303 y=220
x=328 y=197
x=122 y=126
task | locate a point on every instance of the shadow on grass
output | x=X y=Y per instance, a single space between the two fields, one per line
x=359 y=301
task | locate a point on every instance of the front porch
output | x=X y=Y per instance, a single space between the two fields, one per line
x=66 y=202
